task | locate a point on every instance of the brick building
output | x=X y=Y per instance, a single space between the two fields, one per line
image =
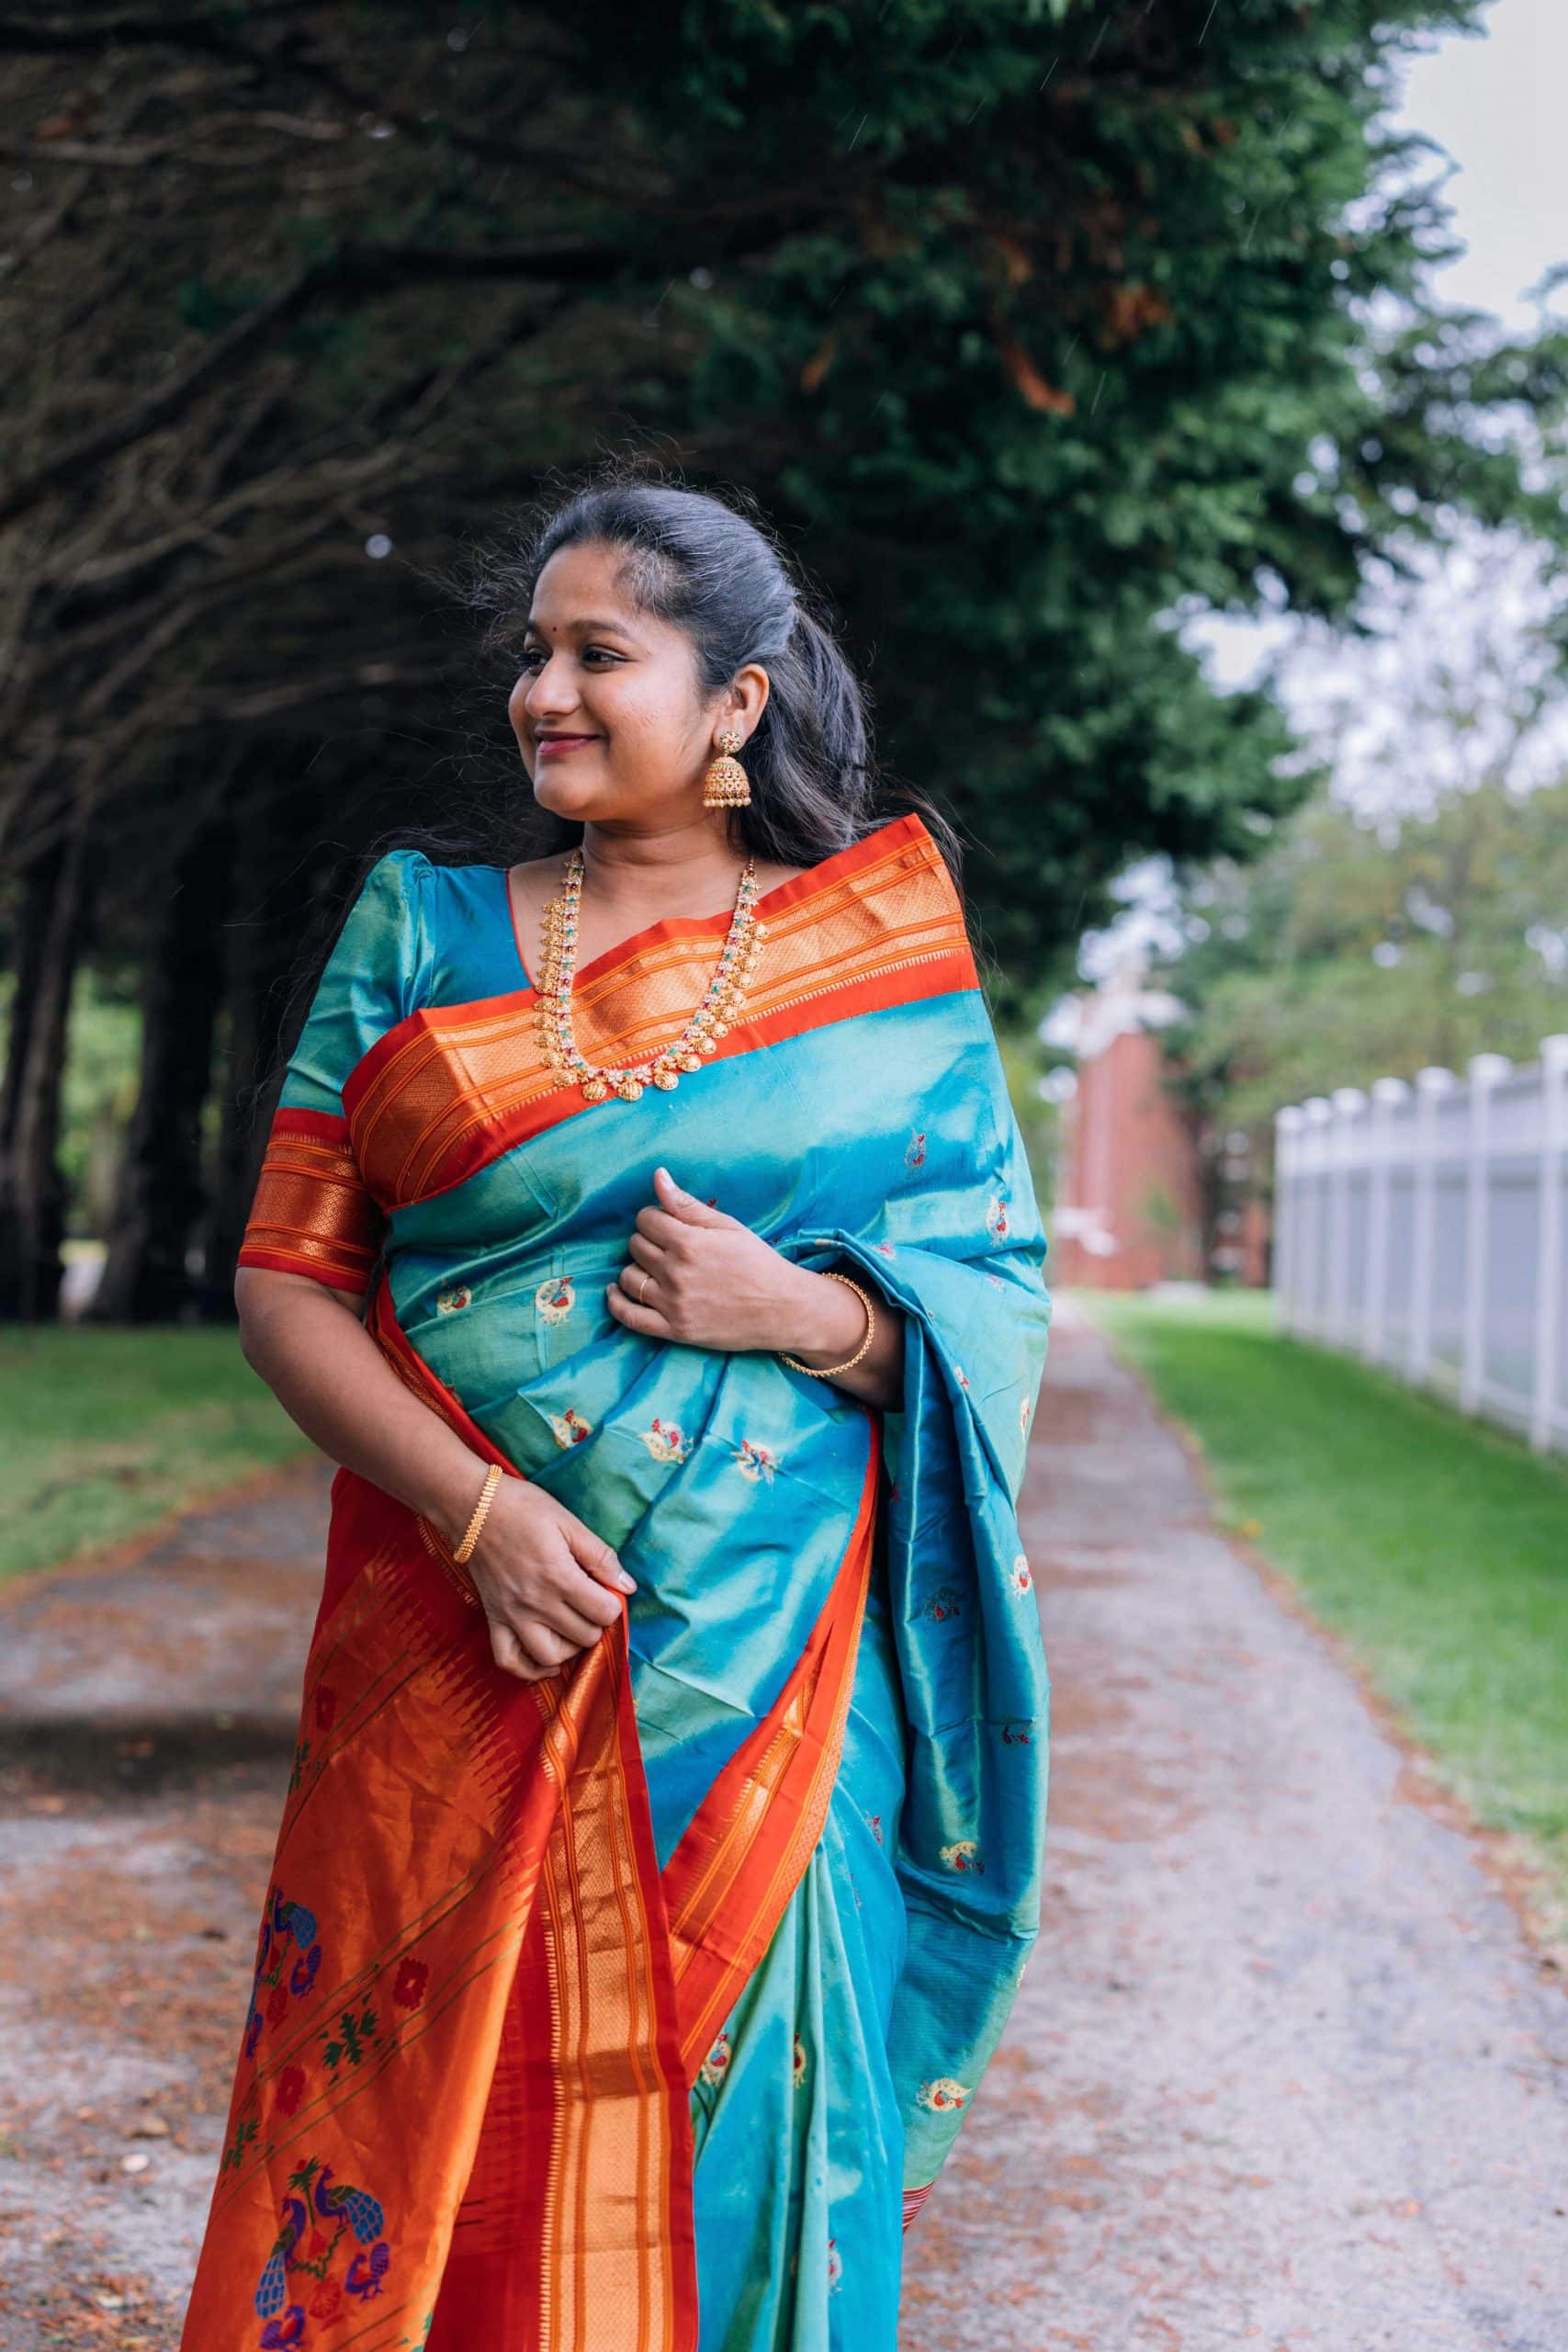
x=1130 y=1195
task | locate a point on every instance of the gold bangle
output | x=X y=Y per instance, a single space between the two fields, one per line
x=822 y=1372
x=465 y=1549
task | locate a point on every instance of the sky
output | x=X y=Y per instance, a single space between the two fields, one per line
x=1494 y=104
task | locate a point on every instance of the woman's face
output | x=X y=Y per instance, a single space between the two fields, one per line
x=607 y=710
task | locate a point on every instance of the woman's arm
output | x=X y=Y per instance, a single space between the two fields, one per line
x=545 y=1579
x=310 y=1347
x=701 y=1277
x=833 y=1325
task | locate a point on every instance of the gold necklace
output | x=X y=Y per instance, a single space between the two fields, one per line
x=722 y=1001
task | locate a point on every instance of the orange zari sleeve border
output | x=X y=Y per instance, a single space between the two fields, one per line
x=313 y=1213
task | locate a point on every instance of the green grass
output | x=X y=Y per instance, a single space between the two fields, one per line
x=104 y=1432
x=1438 y=1547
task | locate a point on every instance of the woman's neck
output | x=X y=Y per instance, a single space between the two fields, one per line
x=686 y=870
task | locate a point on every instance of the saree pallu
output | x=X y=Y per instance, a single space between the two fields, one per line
x=636 y=2009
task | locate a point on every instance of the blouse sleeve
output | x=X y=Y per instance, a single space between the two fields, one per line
x=313 y=1213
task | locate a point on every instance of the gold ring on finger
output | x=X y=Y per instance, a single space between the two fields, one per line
x=642 y=1294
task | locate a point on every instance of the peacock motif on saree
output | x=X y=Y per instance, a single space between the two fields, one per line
x=319 y=2214
x=288 y=1960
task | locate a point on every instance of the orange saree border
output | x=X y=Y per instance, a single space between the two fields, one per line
x=579 y=2193
x=311 y=1213
x=452 y=1089
x=461 y=2116
x=741 y=1855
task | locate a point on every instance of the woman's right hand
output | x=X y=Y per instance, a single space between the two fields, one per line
x=547 y=1584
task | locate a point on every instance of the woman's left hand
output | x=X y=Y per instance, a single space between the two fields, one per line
x=701 y=1277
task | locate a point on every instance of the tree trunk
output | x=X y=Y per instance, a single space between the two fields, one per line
x=51 y=919
x=162 y=1193
x=274 y=882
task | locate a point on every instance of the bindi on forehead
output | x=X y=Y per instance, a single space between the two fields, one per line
x=586 y=625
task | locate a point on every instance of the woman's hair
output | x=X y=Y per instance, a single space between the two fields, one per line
x=709 y=566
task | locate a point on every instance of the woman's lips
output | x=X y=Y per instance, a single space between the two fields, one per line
x=552 y=747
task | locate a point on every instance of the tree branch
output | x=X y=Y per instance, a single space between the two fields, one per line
x=359 y=272
x=124 y=28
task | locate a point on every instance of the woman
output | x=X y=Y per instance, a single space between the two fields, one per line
x=662 y=1849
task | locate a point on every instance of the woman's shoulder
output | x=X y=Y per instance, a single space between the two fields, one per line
x=430 y=889
x=398 y=876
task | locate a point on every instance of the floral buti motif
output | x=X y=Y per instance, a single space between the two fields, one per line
x=797 y=2064
x=755 y=1460
x=835 y=2267
x=996 y=1216
x=554 y=1300
x=570 y=1427
x=1020 y=1576
x=716 y=2063
x=1025 y=1409
x=1017 y=1734
x=884 y=1249
x=320 y=2218
x=408 y=1987
x=964 y=1854
x=915 y=1150
x=454 y=1298
x=665 y=1442
x=873 y=1823
x=944 y=2095
x=943 y=1602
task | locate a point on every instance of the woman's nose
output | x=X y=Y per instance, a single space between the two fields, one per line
x=547 y=692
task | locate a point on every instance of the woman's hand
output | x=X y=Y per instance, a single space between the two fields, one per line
x=547 y=1582
x=699 y=1276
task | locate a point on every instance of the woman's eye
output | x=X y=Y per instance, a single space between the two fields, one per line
x=531 y=655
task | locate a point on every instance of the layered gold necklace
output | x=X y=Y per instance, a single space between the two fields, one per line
x=722 y=1001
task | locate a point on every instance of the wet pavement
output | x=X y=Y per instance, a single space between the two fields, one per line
x=1284 y=2071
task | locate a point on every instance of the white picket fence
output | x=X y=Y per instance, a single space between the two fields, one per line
x=1426 y=1227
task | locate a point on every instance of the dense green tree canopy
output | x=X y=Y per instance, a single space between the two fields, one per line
x=1030 y=324
x=1035 y=325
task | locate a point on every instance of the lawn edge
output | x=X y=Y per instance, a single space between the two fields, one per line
x=125 y=1551
x=1510 y=1862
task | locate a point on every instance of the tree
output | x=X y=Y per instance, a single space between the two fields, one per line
x=1030 y=324
x=1360 y=949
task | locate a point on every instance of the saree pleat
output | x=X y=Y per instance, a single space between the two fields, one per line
x=631 y=2010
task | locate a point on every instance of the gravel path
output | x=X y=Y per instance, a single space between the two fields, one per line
x=147 y=1721
x=1283 y=2072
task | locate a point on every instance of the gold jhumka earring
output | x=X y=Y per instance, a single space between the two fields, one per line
x=727 y=784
